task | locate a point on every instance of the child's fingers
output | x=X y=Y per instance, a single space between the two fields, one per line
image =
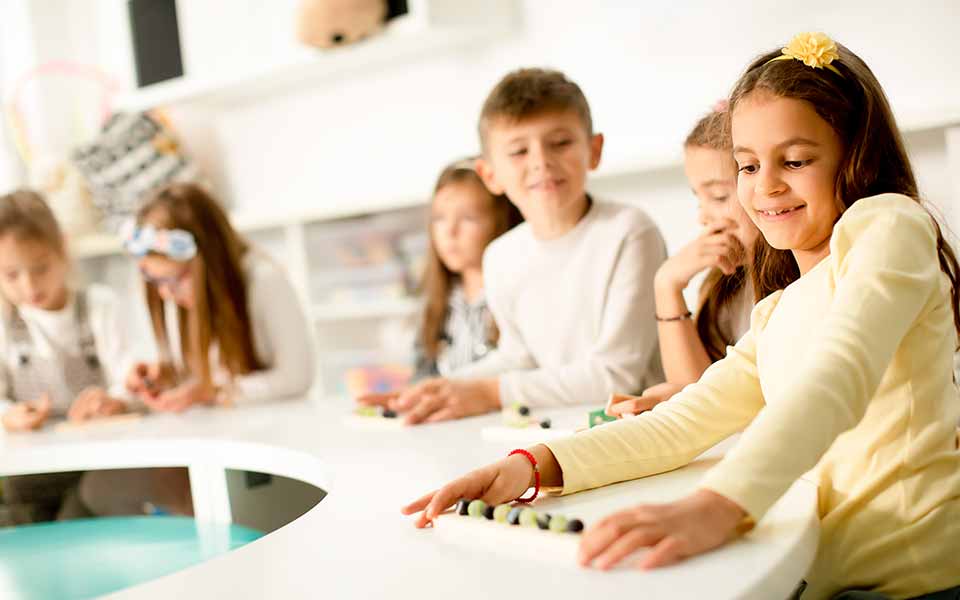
x=418 y=504
x=377 y=399
x=623 y=546
x=444 y=414
x=668 y=551
x=428 y=405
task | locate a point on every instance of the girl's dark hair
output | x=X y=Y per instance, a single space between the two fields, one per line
x=874 y=159
x=438 y=280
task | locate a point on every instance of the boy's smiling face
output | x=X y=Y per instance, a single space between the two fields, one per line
x=541 y=164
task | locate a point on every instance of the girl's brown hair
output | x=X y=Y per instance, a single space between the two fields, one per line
x=717 y=290
x=438 y=280
x=874 y=161
x=25 y=214
x=221 y=311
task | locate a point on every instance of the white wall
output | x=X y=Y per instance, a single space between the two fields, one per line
x=648 y=69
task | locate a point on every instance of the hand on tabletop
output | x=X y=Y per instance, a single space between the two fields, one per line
x=502 y=481
x=433 y=400
x=624 y=405
x=674 y=531
x=182 y=397
x=93 y=403
x=29 y=415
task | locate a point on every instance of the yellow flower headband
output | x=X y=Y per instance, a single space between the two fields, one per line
x=815 y=50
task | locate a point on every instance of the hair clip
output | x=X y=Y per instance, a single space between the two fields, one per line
x=176 y=244
x=813 y=49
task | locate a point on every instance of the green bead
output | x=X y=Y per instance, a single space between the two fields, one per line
x=476 y=508
x=558 y=523
x=367 y=411
x=500 y=513
x=528 y=518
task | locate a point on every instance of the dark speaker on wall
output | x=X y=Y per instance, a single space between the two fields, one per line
x=156 y=40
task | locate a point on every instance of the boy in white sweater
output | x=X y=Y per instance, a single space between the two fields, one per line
x=571 y=289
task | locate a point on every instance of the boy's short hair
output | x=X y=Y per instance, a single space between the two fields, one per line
x=527 y=92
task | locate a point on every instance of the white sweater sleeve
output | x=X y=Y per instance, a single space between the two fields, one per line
x=511 y=353
x=625 y=347
x=278 y=316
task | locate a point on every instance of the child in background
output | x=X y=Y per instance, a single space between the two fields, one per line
x=847 y=366
x=571 y=289
x=240 y=334
x=689 y=344
x=63 y=348
x=457 y=328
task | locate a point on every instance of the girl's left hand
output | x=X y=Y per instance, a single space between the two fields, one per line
x=700 y=522
x=94 y=402
x=182 y=397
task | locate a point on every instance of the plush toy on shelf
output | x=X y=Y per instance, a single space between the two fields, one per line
x=330 y=23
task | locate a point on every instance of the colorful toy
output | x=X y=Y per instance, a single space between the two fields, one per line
x=518 y=514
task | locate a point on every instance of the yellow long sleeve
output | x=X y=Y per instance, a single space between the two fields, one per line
x=849 y=369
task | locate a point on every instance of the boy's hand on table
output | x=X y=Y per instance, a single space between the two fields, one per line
x=624 y=405
x=439 y=399
x=29 y=415
x=674 y=531
x=93 y=403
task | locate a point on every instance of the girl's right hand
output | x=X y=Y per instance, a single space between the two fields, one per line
x=144 y=379
x=29 y=415
x=502 y=481
x=715 y=247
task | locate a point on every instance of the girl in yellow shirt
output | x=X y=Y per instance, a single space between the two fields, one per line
x=846 y=368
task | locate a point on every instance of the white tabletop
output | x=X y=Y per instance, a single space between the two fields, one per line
x=356 y=544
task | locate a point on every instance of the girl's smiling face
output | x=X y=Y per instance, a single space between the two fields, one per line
x=787 y=157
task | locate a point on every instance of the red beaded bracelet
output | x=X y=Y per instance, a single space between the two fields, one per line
x=536 y=474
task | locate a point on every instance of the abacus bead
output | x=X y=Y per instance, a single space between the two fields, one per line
x=575 y=526
x=389 y=414
x=545 y=424
x=476 y=508
x=462 y=506
x=500 y=513
x=528 y=517
x=543 y=522
x=558 y=524
x=513 y=517
x=524 y=410
x=488 y=513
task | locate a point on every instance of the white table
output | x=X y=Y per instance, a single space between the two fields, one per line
x=356 y=544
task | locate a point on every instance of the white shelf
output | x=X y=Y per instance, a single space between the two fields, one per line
x=431 y=27
x=107 y=244
x=378 y=309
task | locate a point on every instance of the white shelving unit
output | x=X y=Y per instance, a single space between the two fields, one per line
x=430 y=27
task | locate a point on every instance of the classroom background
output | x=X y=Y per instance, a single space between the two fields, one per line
x=326 y=157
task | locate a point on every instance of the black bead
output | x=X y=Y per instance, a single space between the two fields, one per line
x=389 y=414
x=488 y=513
x=462 y=505
x=575 y=526
x=543 y=521
x=545 y=424
x=513 y=517
x=524 y=411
